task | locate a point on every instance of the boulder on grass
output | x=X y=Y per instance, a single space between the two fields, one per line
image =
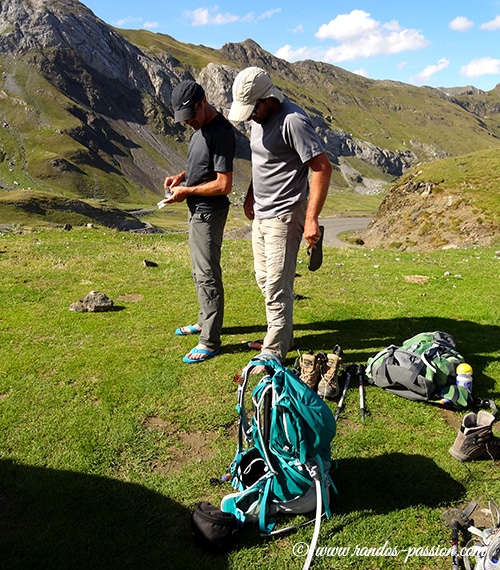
x=94 y=302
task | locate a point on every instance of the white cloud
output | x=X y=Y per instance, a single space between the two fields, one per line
x=461 y=24
x=481 y=66
x=289 y=54
x=299 y=29
x=492 y=26
x=269 y=14
x=205 y=17
x=360 y=35
x=127 y=21
x=361 y=72
x=430 y=70
x=212 y=16
x=348 y=27
x=138 y=22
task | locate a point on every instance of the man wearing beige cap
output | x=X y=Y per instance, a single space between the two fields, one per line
x=281 y=200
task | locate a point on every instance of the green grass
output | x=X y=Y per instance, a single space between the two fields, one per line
x=189 y=55
x=107 y=438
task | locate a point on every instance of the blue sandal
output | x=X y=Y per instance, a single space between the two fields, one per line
x=187 y=330
x=205 y=352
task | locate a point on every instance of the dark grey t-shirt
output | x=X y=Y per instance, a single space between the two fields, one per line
x=211 y=150
x=280 y=148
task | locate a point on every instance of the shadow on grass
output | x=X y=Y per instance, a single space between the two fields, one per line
x=59 y=519
x=476 y=342
x=391 y=482
x=377 y=486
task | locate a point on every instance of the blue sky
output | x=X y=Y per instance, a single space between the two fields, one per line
x=431 y=42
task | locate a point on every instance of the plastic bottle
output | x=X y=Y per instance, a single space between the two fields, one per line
x=492 y=558
x=464 y=376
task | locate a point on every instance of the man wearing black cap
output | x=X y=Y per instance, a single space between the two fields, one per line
x=205 y=185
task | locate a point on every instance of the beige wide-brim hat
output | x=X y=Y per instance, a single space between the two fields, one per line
x=250 y=85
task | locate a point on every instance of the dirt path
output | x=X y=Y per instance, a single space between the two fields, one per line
x=336 y=226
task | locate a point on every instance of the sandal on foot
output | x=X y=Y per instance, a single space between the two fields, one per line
x=189 y=329
x=254 y=344
x=316 y=253
x=205 y=355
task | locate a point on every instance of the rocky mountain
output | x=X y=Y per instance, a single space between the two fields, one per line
x=85 y=109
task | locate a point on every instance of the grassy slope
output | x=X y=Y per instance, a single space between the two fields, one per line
x=476 y=175
x=453 y=202
x=190 y=55
x=38 y=151
x=388 y=114
x=37 y=119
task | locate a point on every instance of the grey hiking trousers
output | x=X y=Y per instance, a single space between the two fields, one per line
x=205 y=241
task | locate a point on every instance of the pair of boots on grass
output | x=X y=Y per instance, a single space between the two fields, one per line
x=320 y=372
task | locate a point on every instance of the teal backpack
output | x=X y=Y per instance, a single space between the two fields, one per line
x=423 y=368
x=283 y=452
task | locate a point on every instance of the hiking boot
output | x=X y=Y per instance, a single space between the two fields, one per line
x=328 y=387
x=310 y=370
x=475 y=439
x=329 y=383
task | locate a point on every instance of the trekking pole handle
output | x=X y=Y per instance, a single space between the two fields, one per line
x=361 y=380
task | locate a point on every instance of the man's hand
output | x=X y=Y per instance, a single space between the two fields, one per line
x=177 y=194
x=248 y=204
x=311 y=231
x=173 y=181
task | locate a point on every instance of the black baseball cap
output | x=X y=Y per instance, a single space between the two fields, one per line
x=184 y=97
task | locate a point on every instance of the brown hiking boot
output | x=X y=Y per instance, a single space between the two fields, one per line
x=328 y=387
x=475 y=439
x=310 y=370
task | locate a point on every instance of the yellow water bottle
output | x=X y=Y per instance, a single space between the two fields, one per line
x=464 y=376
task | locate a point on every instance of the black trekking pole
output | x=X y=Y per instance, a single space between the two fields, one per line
x=361 y=379
x=348 y=373
x=456 y=520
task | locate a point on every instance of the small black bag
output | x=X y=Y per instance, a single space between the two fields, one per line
x=212 y=528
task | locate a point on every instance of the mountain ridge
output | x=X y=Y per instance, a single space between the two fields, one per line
x=86 y=108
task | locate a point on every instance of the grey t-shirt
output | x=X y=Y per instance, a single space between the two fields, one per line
x=280 y=148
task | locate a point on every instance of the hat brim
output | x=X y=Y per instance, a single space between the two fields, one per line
x=184 y=114
x=240 y=112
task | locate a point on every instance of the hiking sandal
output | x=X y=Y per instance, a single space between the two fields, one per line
x=316 y=253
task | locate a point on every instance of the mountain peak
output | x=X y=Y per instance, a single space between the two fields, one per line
x=249 y=53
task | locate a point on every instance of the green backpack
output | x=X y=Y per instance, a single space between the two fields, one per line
x=423 y=368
